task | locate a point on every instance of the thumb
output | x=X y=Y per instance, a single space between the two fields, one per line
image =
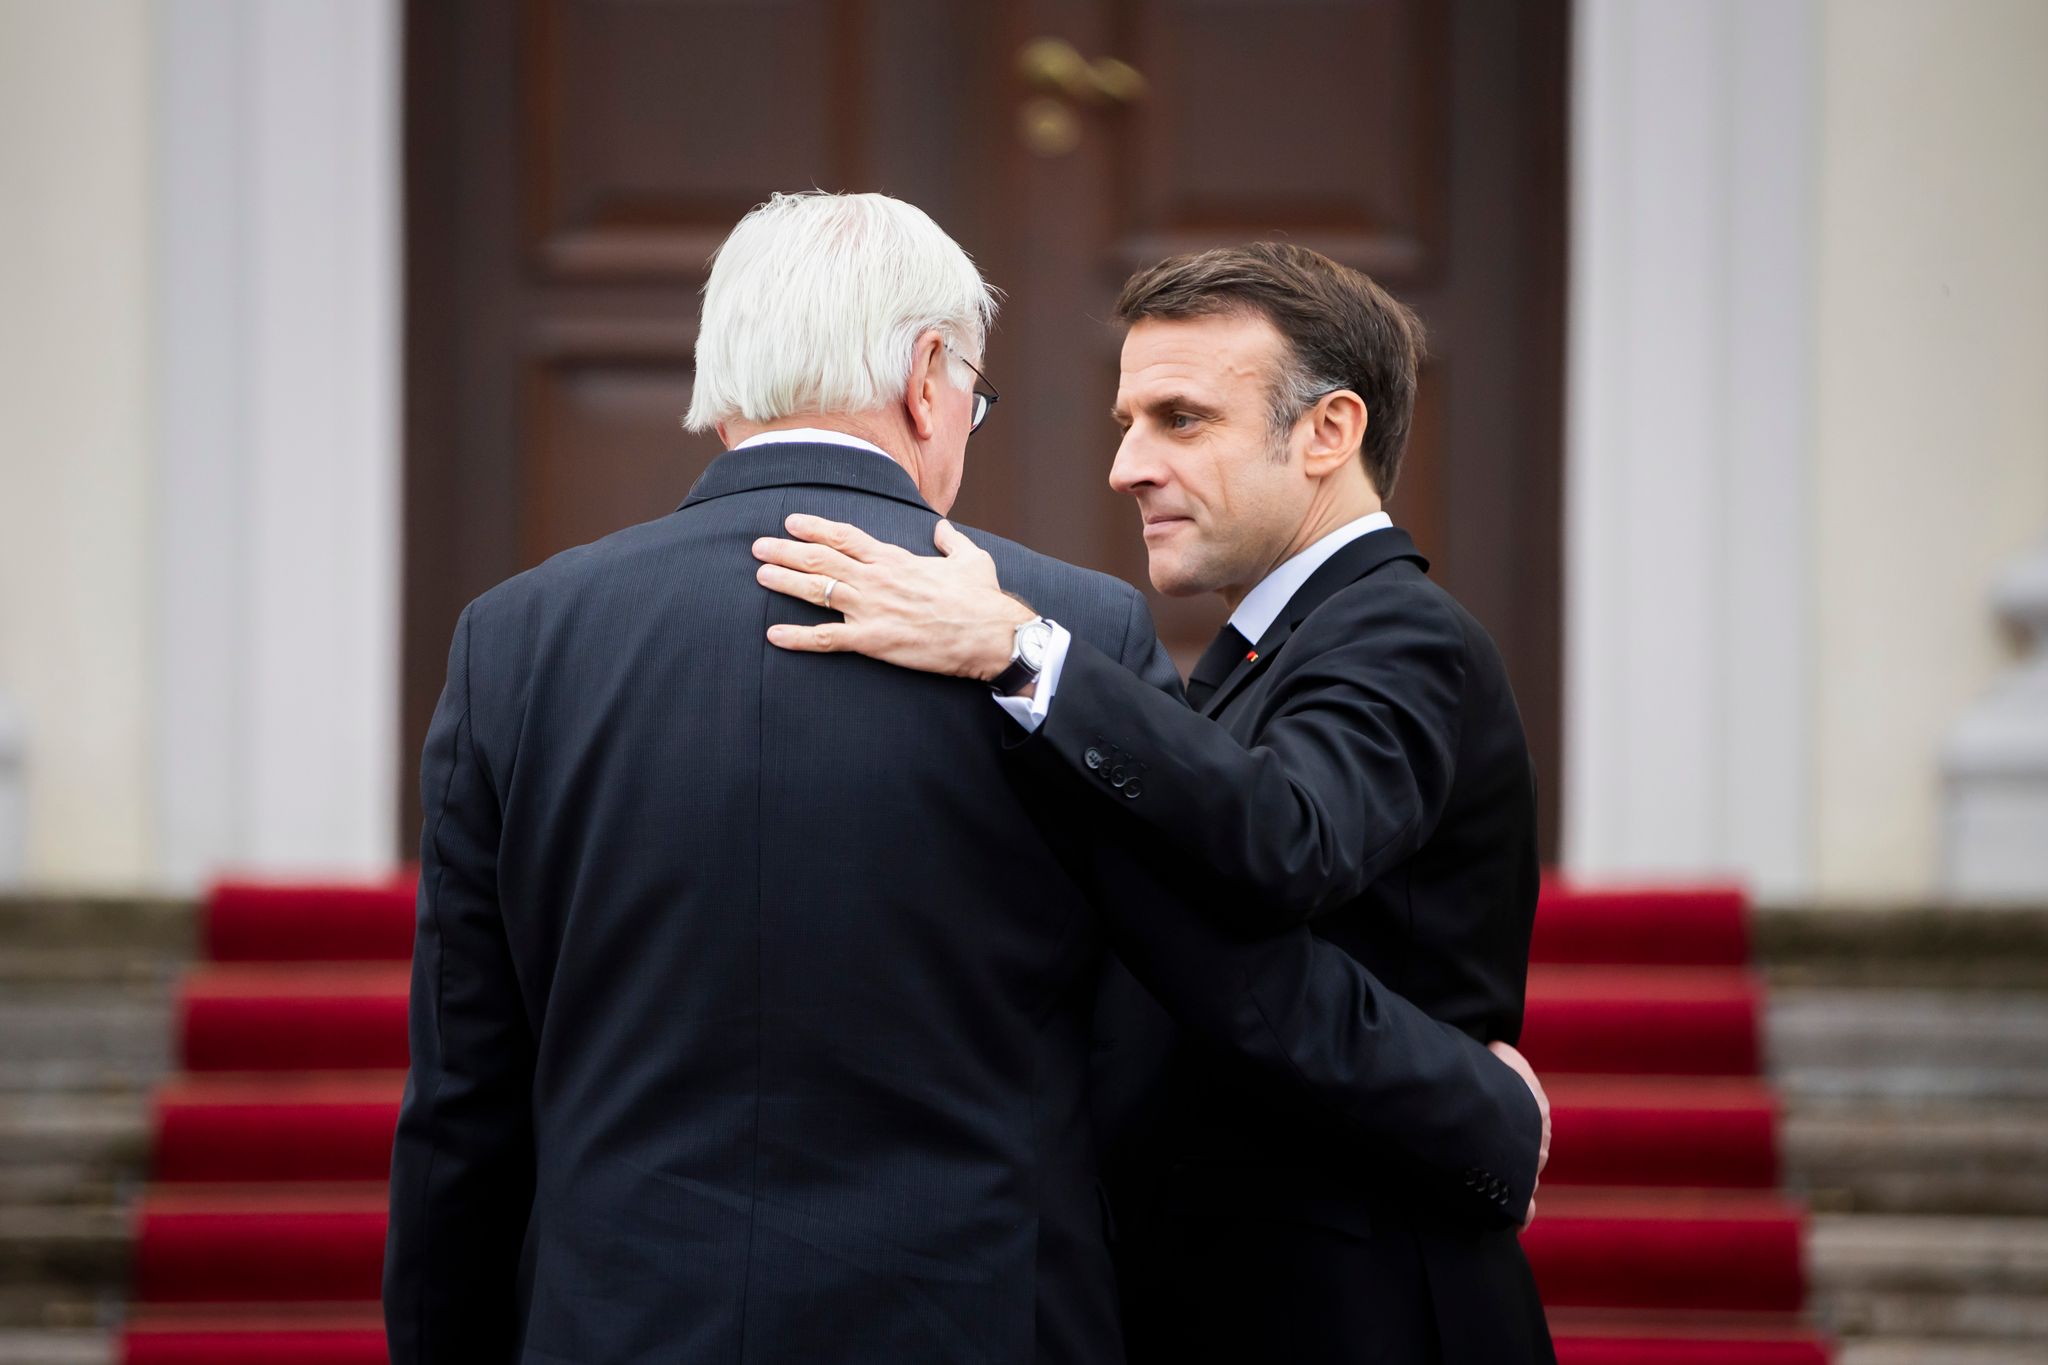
x=950 y=541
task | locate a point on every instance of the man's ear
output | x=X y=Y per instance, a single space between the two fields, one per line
x=921 y=386
x=1336 y=431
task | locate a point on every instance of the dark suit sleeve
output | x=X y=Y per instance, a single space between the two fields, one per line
x=1348 y=777
x=462 y=1169
x=1309 y=1015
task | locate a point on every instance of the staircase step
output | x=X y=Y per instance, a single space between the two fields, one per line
x=157 y=926
x=340 y=922
x=285 y=1243
x=1948 y=947
x=1659 y=1130
x=1685 y=1131
x=1929 y=1351
x=278 y=1127
x=1639 y=925
x=47 y=1347
x=61 y=1265
x=1909 y=1045
x=1934 y=1277
x=255 y=1018
x=1643 y=1020
x=70 y=1148
x=1580 y=1019
x=1916 y=1158
x=68 y=1038
x=1667 y=1250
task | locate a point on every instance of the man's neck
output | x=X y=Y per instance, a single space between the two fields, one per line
x=1324 y=515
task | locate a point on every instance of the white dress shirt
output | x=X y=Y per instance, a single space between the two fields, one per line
x=813 y=436
x=1253 y=617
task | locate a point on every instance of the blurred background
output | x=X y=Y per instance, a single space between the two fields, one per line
x=322 y=316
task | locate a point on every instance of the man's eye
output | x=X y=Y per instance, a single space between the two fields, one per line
x=1183 y=421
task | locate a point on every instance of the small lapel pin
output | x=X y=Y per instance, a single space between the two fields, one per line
x=1251 y=656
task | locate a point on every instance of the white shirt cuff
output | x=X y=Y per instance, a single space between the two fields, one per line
x=1030 y=712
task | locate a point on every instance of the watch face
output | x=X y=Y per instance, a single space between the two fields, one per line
x=1032 y=638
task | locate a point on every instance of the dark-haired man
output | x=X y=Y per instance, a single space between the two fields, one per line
x=1353 y=758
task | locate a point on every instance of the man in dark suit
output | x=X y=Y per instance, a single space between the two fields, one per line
x=752 y=993
x=1353 y=761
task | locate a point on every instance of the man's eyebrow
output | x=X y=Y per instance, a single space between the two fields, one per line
x=1180 y=402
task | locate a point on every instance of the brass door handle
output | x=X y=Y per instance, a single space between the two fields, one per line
x=1052 y=66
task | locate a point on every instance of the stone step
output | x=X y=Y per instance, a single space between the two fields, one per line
x=1930 y=946
x=69 y=1037
x=62 y=1265
x=77 y=1347
x=1909 y=1044
x=1909 y=1351
x=143 y=925
x=1890 y=1278
x=1888 y=1158
x=71 y=1148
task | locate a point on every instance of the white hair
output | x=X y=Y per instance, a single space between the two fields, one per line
x=816 y=300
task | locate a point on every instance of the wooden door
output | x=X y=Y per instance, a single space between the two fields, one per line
x=571 y=164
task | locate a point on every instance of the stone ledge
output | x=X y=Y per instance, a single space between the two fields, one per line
x=143 y=924
x=1954 y=946
x=79 y=1347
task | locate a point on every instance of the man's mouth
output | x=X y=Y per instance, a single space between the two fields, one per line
x=1159 y=524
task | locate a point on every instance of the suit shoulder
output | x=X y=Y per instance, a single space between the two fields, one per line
x=1091 y=604
x=568 y=575
x=1401 y=594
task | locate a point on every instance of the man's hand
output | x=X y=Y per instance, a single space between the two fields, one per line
x=937 y=614
x=1520 y=1066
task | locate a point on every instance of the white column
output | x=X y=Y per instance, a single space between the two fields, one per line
x=1686 y=540
x=279 y=495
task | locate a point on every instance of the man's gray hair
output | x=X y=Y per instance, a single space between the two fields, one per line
x=816 y=300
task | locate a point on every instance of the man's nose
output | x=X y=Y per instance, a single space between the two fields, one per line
x=1133 y=468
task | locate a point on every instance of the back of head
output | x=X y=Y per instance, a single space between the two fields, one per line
x=815 y=301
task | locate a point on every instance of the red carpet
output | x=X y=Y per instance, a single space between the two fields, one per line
x=1660 y=1239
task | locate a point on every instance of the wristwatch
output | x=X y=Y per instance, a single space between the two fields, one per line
x=1027 y=657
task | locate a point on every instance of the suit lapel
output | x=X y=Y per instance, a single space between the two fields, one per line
x=1347 y=566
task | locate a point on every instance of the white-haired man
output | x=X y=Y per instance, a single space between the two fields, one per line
x=751 y=999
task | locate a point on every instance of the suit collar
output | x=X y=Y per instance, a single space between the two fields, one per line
x=1262 y=606
x=785 y=464
x=1361 y=557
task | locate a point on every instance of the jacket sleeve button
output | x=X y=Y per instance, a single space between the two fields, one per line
x=1093 y=758
x=1132 y=788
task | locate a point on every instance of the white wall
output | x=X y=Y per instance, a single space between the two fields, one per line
x=76 y=535
x=1931 y=455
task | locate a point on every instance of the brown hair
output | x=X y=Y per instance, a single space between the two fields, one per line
x=1344 y=332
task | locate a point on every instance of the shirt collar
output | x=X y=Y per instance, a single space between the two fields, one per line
x=1264 y=603
x=813 y=436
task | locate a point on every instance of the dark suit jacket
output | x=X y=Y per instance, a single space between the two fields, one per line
x=1368 y=775
x=752 y=990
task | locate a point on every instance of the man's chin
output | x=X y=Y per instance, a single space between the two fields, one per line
x=1173 y=580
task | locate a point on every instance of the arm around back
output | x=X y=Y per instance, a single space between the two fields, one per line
x=1306 y=1013
x=1349 y=775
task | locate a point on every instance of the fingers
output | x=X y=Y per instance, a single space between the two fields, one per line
x=805 y=587
x=848 y=540
x=805 y=558
x=951 y=542
x=830 y=638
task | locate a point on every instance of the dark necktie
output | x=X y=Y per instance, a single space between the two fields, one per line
x=1224 y=653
